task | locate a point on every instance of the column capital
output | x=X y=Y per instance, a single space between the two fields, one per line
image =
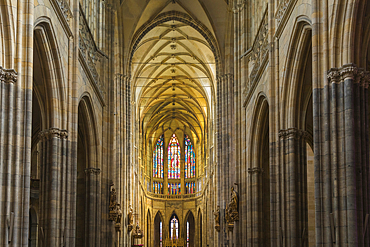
x=349 y=71
x=293 y=132
x=53 y=132
x=92 y=170
x=8 y=75
x=256 y=169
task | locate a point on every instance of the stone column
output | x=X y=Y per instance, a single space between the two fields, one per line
x=53 y=146
x=341 y=149
x=15 y=158
x=293 y=176
x=93 y=206
x=256 y=231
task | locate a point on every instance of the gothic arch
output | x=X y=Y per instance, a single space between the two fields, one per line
x=347 y=17
x=87 y=113
x=157 y=220
x=296 y=59
x=259 y=174
x=47 y=51
x=192 y=223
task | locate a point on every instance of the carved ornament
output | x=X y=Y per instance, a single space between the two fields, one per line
x=349 y=71
x=217 y=218
x=8 y=75
x=258 y=55
x=232 y=209
x=91 y=170
x=54 y=133
x=257 y=170
x=293 y=133
x=89 y=51
x=113 y=214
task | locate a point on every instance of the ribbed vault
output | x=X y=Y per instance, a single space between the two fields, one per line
x=173 y=68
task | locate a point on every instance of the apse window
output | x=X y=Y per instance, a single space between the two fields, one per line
x=174 y=228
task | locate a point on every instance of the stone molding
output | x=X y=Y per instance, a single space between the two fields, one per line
x=8 y=75
x=254 y=170
x=92 y=170
x=258 y=55
x=293 y=133
x=53 y=133
x=349 y=71
x=89 y=51
x=64 y=14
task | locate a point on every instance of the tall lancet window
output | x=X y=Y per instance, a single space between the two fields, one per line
x=158 y=159
x=174 y=228
x=174 y=158
x=189 y=159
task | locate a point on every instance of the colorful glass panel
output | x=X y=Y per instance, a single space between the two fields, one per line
x=189 y=158
x=174 y=188
x=158 y=159
x=174 y=228
x=174 y=158
x=187 y=234
x=190 y=187
x=157 y=187
x=160 y=234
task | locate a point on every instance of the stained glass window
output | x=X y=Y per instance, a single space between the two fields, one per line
x=174 y=228
x=160 y=234
x=158 y=159
x=158 y=187
x=189 y=159
x=187 y=234
x=174 y=188
x=174 y=158
x=190 y=188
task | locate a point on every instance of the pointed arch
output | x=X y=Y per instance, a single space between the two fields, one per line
x=296 y=60
x=189 y=229
x=174 y=226
x=158 y=229
x=53 y=81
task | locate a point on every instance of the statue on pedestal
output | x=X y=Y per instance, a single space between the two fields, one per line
x=232 y=213
x=113 y=205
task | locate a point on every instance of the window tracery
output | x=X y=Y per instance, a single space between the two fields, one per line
x=158 y=159
x=189 y=159
x=174 y=158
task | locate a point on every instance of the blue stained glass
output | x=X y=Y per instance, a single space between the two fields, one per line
x=158 y=159
x=189 y=158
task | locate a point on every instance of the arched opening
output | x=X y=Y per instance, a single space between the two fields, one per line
x=264 y=158
x=174 y=230
x=190 y=230
x=309 y=238
x=200 y=229
x=148 y=228
x=158 y=230
x=82 y=164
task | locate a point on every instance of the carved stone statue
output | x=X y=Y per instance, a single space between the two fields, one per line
x=232 y=213
x=217 y=216
x=113 y=205
x=131 y=216
x=113 y=199
x=119 y=214
x=138 y=233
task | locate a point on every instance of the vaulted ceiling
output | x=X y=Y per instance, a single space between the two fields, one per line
x=173 y=67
